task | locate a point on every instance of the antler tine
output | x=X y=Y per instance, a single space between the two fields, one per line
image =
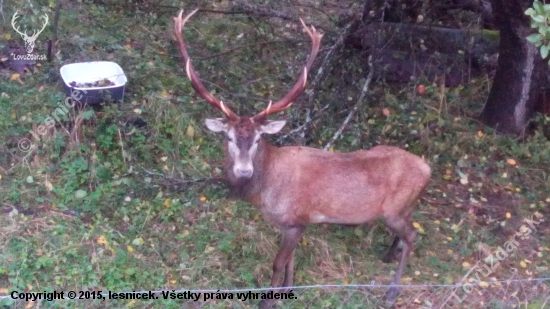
x=300 y=85
x=179 y=22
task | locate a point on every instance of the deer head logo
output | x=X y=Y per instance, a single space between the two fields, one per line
x=29 y=39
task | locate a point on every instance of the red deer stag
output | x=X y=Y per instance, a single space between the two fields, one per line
x=297 y=186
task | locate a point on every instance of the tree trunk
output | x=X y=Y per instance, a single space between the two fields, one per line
x=520 y=70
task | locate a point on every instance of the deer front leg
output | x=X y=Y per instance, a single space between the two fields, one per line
x=289 y=271
x=284 y=260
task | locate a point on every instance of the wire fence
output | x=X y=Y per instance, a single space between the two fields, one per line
x=515 y=293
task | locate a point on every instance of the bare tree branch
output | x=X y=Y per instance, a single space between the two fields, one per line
x=246 y=46
x=310 y=94
x=268 y=12
x=2 y=10
x=355 y=107
x=174 y=182
x=303 y=127
x=52 y=47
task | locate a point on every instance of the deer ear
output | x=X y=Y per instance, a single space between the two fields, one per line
x=216 y=124
x=273 y=127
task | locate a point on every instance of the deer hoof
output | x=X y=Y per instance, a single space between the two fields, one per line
x=391 y=295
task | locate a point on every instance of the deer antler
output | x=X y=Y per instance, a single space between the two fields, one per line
x=179 y=22
x=13 y=19
x=37 y=32
x=300 y=85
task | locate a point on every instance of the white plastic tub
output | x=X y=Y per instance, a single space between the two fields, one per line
x=90 y=72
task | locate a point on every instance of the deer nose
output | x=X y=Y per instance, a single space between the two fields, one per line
x=246 y=173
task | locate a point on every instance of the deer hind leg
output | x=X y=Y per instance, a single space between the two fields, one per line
x=391 y=255
x=407 y=233
x=284 y=260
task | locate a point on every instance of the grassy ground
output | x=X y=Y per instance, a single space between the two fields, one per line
x=102 y=205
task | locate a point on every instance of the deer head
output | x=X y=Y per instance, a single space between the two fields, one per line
x=244 y=133
x=29 y=39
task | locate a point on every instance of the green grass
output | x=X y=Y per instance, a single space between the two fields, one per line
x=89 y=211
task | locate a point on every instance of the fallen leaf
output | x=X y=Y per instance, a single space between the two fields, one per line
x=386 y=112
x=418 y=227
x=483 y=284
x=48 y=185
x=455 y=228
x=522 y=264
x=167 y=203
x=511 y=161
x=101 y=240
x=209 y=249
x=80 y=194
x=190 y=131
x=129 y=248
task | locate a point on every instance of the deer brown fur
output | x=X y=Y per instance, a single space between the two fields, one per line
x=296 y=186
